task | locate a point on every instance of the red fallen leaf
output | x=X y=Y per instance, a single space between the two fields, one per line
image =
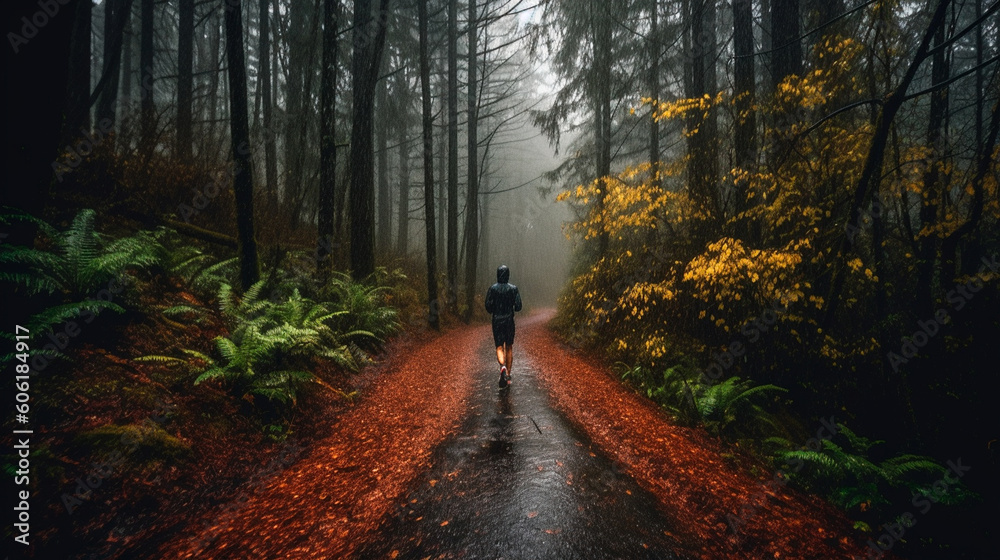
x=532 y=514
x=553 y=531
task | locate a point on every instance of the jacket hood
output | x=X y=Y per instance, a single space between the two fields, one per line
x=503 y=274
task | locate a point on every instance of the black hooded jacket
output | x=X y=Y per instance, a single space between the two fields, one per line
x=503 y=299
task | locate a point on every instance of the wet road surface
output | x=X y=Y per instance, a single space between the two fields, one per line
x=519 y=481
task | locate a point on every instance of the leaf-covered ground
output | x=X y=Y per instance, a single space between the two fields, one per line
x=326 y=503
x=688 y=471
x=330 y=503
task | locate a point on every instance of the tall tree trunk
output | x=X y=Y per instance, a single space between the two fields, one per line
x=239 y=128
x=147 y=110
x=485 y=253
x=369 y=40
x=600 y=84
x=403 y=219
x=213 y=84
x=185 y=77
x=452 y=244
x=686 y=79
x=703 y=145
x=766 y=39
x=433 y=316
x=786 y=60
x=929 y=207
x=383 y=234
x=78 y=86
x=973 y=250
x=472 y=200
x=308 y=76
x=267 y=99
x=744 y=141
x=442 y=186
x=786 y=53
x=298 y=46
x=114 y=11
x=654 y=45
x=327 y=138
x=127 y=77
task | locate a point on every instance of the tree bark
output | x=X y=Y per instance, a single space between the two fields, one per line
x=209 y=139
x=127 y=77
x=600 y=85
x=786 y=53
x=185 y=77
x=442 y=186
x=452 y=243
x=78 y=85
x=703 y=145
x=327 y=139
x=428 y=136
x=240 y=141
x=744 y=141
x=369 y=40
x=383 y=233
x=403 y=219
x=297 y=54
x=147 y=110
x=302 y=141
x=267 y=104
x=929 y=207
x=114 y=11
x=654 y=45
x=472 y=200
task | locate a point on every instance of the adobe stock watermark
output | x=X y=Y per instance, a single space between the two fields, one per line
x=286 y=457
x=752 y=330
x=922 y=502
x=74 y=153
x=827 y=430
x=202 y=198
x=30 y=26
x=879 y=204
x=59 y=339
x=958 y=297
x=88 y=141
x=103 y=470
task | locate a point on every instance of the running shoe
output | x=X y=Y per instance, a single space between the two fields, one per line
x=504 y=378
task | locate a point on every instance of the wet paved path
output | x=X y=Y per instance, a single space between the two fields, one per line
x=519 y=481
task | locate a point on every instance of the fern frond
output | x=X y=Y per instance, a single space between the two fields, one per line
x=42 y=322
x=184 y=310
x=166 y=360
x=10 y=215
x=213 y=373
x=227 y=348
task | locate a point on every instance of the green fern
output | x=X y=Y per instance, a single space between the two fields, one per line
x=162 y=360
x=81 y=261
x=77 y=265
x=844 y=473
x=734 y=407
x=185 y=311
x=273 y=344
x=365 y=308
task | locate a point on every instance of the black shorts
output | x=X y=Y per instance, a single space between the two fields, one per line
x=503 y=331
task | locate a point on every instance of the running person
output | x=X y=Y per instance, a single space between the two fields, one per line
x=502 y=300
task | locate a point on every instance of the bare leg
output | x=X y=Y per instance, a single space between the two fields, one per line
x=509 y=355
x=500 y=355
